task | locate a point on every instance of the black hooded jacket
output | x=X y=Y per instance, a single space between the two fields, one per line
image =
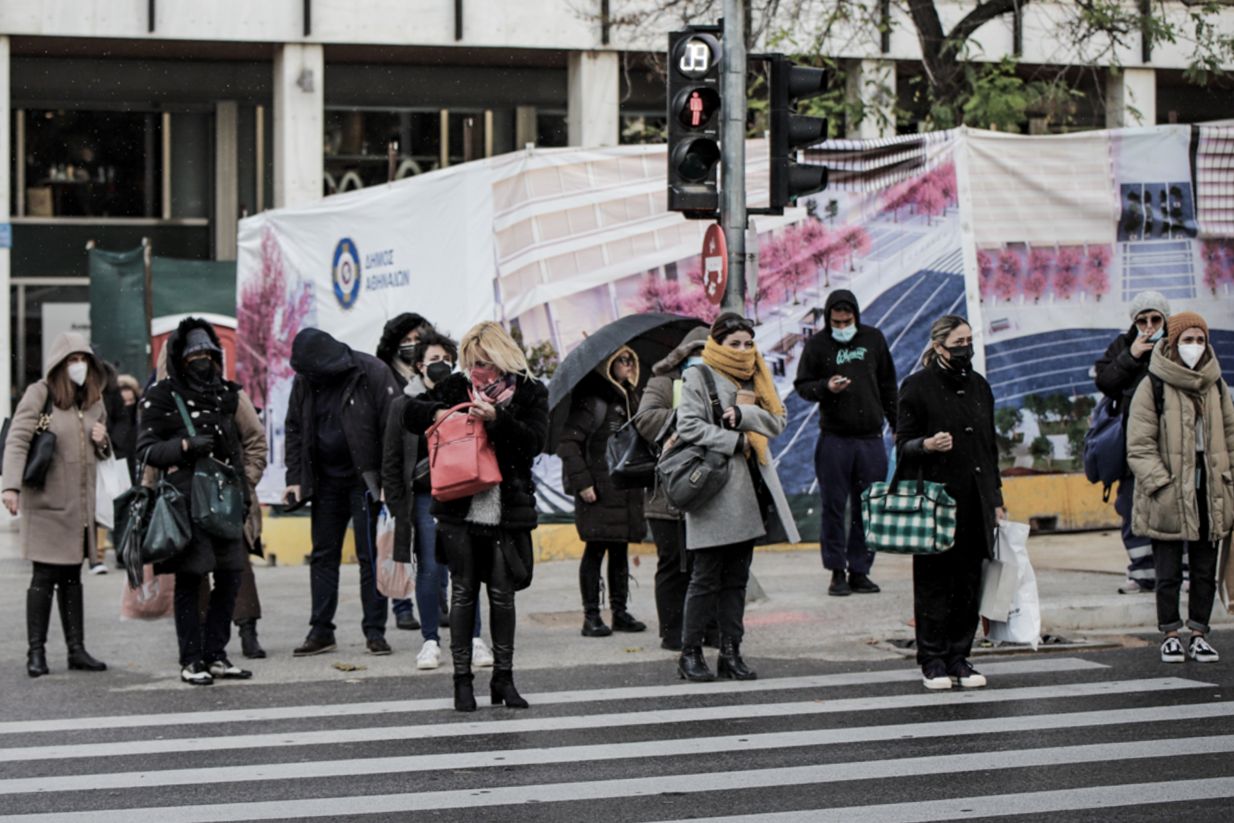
x=362 y=386
x=1119 y=372
x=860 y=409
x=161 y=430
x=392 y=335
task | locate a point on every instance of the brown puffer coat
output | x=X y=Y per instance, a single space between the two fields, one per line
x=54 y=517
x=1161 y=451
x=600 y=408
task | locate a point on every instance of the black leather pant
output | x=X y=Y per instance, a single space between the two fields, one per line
x=476 y=558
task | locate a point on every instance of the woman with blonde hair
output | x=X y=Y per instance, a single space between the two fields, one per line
x=721 y=532
x=487 y=536
x=1180 y=446
x=57 y=514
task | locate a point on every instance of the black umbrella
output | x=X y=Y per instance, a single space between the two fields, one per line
x=652 y=336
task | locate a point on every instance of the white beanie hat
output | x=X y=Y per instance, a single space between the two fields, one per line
x=1148 y=301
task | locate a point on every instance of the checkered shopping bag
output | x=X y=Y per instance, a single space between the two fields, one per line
x=908 y=517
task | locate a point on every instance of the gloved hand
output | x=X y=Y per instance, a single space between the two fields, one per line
x=200 y=444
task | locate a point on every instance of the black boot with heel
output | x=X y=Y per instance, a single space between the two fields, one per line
x=38 y=615
x=464 y=693
x=501 y=690
x=731 y=666
x=72 y=619
x=693 y=667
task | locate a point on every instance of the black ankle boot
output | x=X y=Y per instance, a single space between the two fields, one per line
x=731 y=666
x=38 y=615
x=72 y=619
x=464 y=694
x=593 y=626
x=249 y=646
x=625 y=622
x=691 y=665
x=501 y=690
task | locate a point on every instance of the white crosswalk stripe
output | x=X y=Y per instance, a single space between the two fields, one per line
x=793 y=736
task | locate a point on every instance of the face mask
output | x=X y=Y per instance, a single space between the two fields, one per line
x=438 y=371
x=406 y=352
x=482 y=376
x=202 y=368
x=1191 y=353
x=844 y=335
x=1157 y=335
x=961 y=357
x=78 y=371
x=694 y=360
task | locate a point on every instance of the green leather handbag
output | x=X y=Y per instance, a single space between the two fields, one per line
x=217 y=497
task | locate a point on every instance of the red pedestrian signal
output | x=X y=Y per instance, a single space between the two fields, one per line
x=693 y=102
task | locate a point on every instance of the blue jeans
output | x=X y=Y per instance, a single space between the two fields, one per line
x=431 y=577
x=846 y=466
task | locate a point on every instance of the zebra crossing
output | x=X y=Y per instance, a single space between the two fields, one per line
x=856 y=745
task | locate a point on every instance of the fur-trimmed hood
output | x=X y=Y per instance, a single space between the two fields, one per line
x=692 y=343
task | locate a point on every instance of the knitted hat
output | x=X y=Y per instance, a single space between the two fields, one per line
x=1182 y=321
x=1148 y=301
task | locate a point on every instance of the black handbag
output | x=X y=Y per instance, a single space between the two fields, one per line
x=168 y=530
x=631 y=460
x=217 y=496
x=42 y=450
x=691 y=474
x=132 y=515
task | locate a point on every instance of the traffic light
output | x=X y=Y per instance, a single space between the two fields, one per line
x=790 y=131
x=694 y=121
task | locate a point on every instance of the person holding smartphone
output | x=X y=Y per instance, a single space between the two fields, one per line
x=1119 y=373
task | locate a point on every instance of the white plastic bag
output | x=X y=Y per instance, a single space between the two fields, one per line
x=111 y=479
x=394 y=579
x=1023 y=623
x=1001 y=575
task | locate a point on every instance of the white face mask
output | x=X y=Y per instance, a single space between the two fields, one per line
x=78 y=371
x=1191 y=353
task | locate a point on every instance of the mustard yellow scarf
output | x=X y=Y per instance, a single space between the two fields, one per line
x=740 y=367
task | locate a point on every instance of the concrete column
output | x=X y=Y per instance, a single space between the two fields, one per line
x=6 y=331
x=525 y=130
x=226 y=178
x=299 y=120
x=593 y=117
x=872 y=84
x=1131 y=98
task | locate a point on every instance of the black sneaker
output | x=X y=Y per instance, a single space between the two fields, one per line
x=1199 y=650
x=406 y=621
x=966 y=677
x=934 y=676
x=314 y=645
x=224 y=669
x=196 y=674
x=839 y=585
x=1172 y=650
x=862 y=584
x=625 y=622
x=378 y=646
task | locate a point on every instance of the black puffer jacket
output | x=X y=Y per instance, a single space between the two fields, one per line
x=1119 y=372
x=517 y=436
x=161 y=429
x=368 y=389
x=937 y=400
x=617 y=514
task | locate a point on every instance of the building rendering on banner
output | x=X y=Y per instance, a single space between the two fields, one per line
x=170 y=120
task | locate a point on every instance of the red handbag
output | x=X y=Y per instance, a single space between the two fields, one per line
x=461 y=460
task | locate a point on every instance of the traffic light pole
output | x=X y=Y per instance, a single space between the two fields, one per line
x=733 y=145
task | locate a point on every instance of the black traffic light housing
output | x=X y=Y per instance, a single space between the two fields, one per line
x=791 y=83
x=694 y=104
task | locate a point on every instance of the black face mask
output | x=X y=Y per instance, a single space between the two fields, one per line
x=407 y=353
x=438 y=371
x=961 y=357
x=203 y=369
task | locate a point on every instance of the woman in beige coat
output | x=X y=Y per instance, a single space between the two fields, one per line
x=57 y=520
x=1180 y=438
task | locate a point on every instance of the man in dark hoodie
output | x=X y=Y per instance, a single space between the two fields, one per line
x=335 y=419
x=847 y=369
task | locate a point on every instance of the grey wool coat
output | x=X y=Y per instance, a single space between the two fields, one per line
x=733 y=515
x=54 y=517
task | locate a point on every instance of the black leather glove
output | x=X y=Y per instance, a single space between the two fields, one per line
x=200 y=444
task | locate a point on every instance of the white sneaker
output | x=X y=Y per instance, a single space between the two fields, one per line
x=934 y=676
x=1199 y=650
x=1172 y=650
x=98 y=568
x=430 y=655
x=481 y=657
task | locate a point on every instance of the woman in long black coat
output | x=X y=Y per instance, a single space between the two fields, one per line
x=195 y=374
x=608 y=518
x=945 y=432
x=486 y=538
